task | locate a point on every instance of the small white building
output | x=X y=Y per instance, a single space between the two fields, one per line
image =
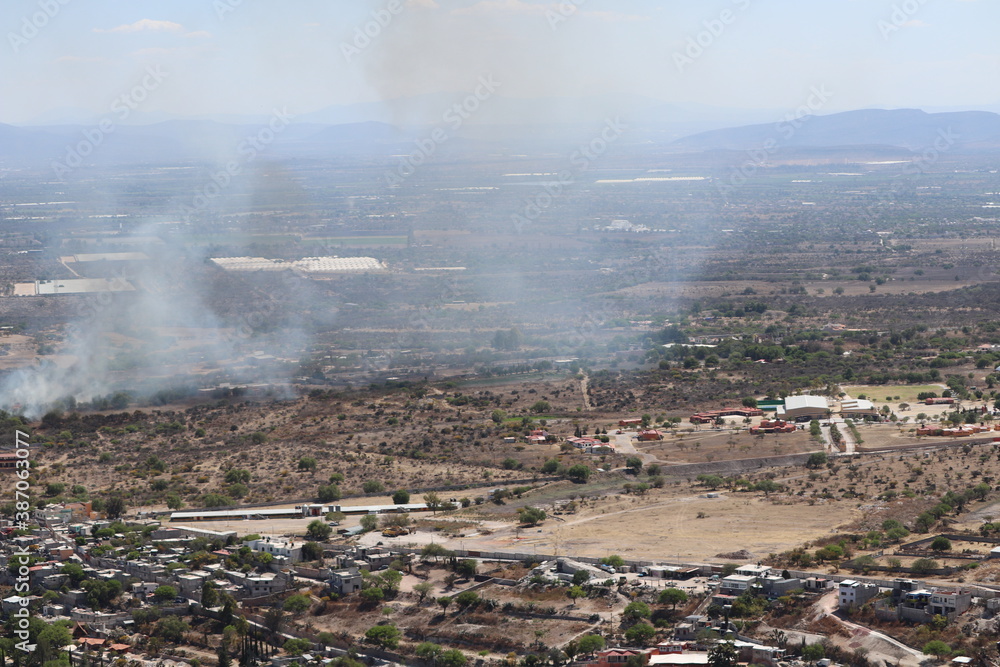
x=753 y=570
x=290 y=550
x=736 y=584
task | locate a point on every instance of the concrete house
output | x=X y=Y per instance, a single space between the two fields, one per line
x=855 y=593
x=345 y=582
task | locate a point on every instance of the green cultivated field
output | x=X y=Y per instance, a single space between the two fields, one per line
x=882 y=393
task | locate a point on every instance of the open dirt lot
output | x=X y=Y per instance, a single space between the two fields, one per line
x=699 y=443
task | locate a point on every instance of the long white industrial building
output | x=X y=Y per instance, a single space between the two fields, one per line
x=308 y=265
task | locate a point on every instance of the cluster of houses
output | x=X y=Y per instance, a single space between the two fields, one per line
x=681 y=653
x=143 y=568
x=590 y=445
x=344 y=577
x=907 y=600
x=957 y=431
x=140 y=572
x=761 y=579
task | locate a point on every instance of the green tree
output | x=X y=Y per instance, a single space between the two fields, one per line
x=373 y=486
x=296 y=646
x=369 y=522
x=507 y=340
x=296 y=604
x=633 y=463
x=452 y=658
x=673 y=597
x=466 y=568
x=816 y=459
x=435 y=551
x=423 y=589
x=428 y=651
x=307 y=463
x=209 y=595
x=165 y=593
x=237 y=476
x=723 y=654
x=311 y=550
x=924 y=566
x=466 y=599
x=101 y=593
x=445 y=602
x=937 y=648
x=636 y=610
x=433 y=502
x=589 y=644
x=813 y=652
x=614 y=560
x=401 y=497
x=531 y=516
x=540 y=407
x=114 y=508
x=318 y=530
x=578 y=473
x=74 y=571
x=373 y=594
x=328 y=493
x=171 y=629
x=941 y=543
x=551 y=466
x=640 y=634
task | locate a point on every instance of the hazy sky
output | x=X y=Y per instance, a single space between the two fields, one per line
x=249 y=56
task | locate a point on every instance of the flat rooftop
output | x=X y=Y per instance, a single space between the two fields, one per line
x=308 y=265
x=72 y=286
x=109 y=257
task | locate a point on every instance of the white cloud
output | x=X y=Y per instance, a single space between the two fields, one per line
x=79 y=59
x=484 y=7
x=615 y=17
x=152 y=52
x=144 y=24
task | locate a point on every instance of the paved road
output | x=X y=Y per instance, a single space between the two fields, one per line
x=850 y=447
x=625 y=445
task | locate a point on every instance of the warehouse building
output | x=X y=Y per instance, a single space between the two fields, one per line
x=311 y=266
x=803 y=408
x=858 y=408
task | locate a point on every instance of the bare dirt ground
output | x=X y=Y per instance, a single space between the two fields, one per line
x=18 y=351
x=700 y=443
x=660 y=527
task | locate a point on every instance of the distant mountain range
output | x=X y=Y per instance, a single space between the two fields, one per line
x=911 y=129
x=511 y=125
